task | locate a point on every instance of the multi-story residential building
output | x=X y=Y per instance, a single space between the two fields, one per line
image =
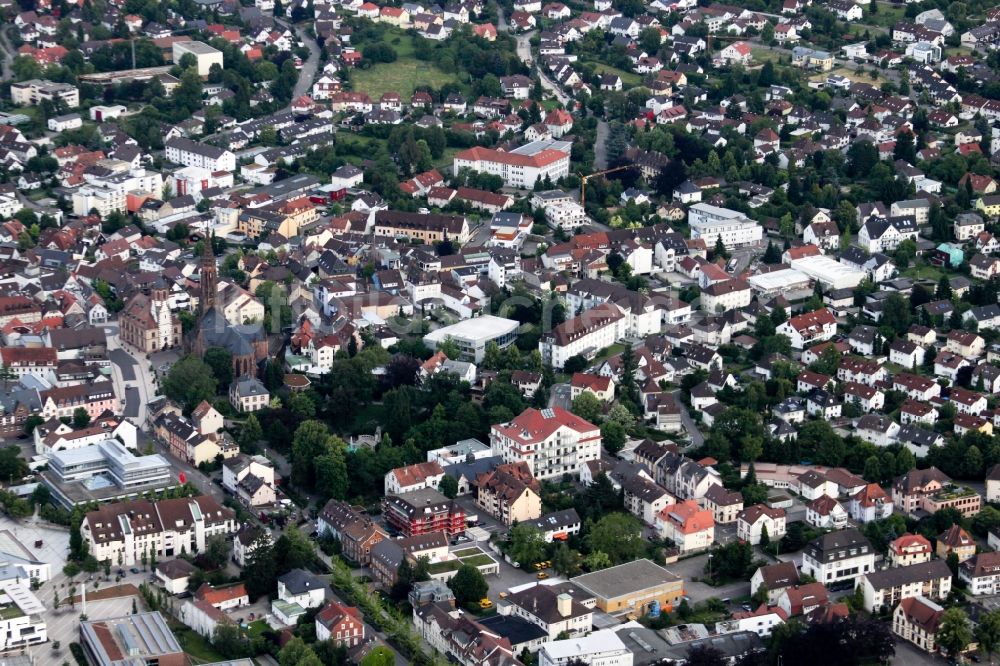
x=517 y=169
x=725 y=505
x=908 y=550
x=553 y=611
x=774 y=578
x=644 y=498
x=917 y=620
x=827 y=513
x=583 y=335
x=931 y=490
x=454 y=633
x=181 y=150
x=838 y=556
x=250 y=479
x=124 y=532
x=981 y=573
x=710 y=223
x=810 y=328
x=38 y=362
x=413 y=477
x=32 y=92
x=882 y=234
x=341 y=624
x=509 y=493
x=726 y=295
x=423 y=511
x=355 y=530
x=94 y=398
x=753 y=521
x=553 y=442
x=955 y=540
x=689 y=526
x=993 y=484
x=426 y=227
x=248 y=394
x=884 y=589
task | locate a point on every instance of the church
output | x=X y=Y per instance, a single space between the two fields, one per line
x=246 y=342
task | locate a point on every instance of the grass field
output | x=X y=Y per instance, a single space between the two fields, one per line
x=629 y=79
x=402 y=76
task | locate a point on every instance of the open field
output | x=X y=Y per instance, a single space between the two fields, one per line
x=402 y=76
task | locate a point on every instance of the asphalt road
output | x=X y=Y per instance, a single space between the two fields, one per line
x=600 y=146
x=125 y=362
x=697 y=439
x=308 y=72
x=132 y=401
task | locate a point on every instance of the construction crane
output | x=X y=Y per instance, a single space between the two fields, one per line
x=584 y=179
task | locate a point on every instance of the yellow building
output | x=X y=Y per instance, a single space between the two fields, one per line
x=990 y=205
x=632 y=587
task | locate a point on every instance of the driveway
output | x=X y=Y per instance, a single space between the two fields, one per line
x=694 y=567
x=559 y=396
x=600 y=146
x=697 y=439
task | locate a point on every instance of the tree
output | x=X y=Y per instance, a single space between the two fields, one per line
x=943 y=291
x=190 y=381
x=614 y=436
x=251 y=432
x=954 y=631
x=331 y=471
x=230 y=642
x=597 y=560
x=469 y=585
x=216 y=552
x=527 y=544
x=261 y=570
x=618 y=535
x=311 y=440
x=221 y=362
x=81 y=418
x=587 y=406
x=987 y=633
x=448 y=486
x=565 y=560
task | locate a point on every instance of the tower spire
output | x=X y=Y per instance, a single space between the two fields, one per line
x=209 y=275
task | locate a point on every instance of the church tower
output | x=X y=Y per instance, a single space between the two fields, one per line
x=209 y=276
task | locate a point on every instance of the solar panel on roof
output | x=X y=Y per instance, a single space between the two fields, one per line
x=548 y=413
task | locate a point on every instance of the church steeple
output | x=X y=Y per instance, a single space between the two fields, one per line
x=209 y=276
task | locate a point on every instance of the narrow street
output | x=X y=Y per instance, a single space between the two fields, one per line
x=308 y=72
x=600 y=146
x=697 y=439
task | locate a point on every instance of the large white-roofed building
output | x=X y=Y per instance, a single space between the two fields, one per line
x=472 y=335
x=600 y=648
x=711 y=223
x=830 y=272
x=780 y=281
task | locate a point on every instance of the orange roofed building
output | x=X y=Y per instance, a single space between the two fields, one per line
x=689 y=526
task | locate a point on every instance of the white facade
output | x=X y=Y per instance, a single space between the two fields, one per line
x=191 y=153
x=585 y=334
x=552 y=442
x=517 y=170
x=601 y=648
x=711 y=223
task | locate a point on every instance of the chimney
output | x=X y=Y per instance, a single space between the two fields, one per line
x=564 y=604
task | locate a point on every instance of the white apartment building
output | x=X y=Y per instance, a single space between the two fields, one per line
x=103 y=199
x=585 y=334
x=601 y=648
x=30 y=93
x=552 y=442
x=566 y=216
x=734 y=228
x=981 y=573
x=810 y=328
x=180 y=150
x=725 y=296
x=516 y=169
x=121 y=533
x=838 y=556
x=884 y=589
x=753 y=520
x=240 y=467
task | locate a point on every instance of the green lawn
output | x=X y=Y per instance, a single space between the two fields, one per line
x=887 y=15
x=923 y=272
x=256 y=628
x=443 y=567
x=196 y=646
x=467 y=552
x=480 y=560
x=402 y=76
x=629 y=79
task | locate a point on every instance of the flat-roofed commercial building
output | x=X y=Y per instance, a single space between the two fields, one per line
x=205 y=55
x=711 y=223
x=830 y=272
x=473 y=335
x=632 y=587
x=143 y=638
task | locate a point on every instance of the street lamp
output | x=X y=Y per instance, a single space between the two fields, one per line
x=710 y=566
